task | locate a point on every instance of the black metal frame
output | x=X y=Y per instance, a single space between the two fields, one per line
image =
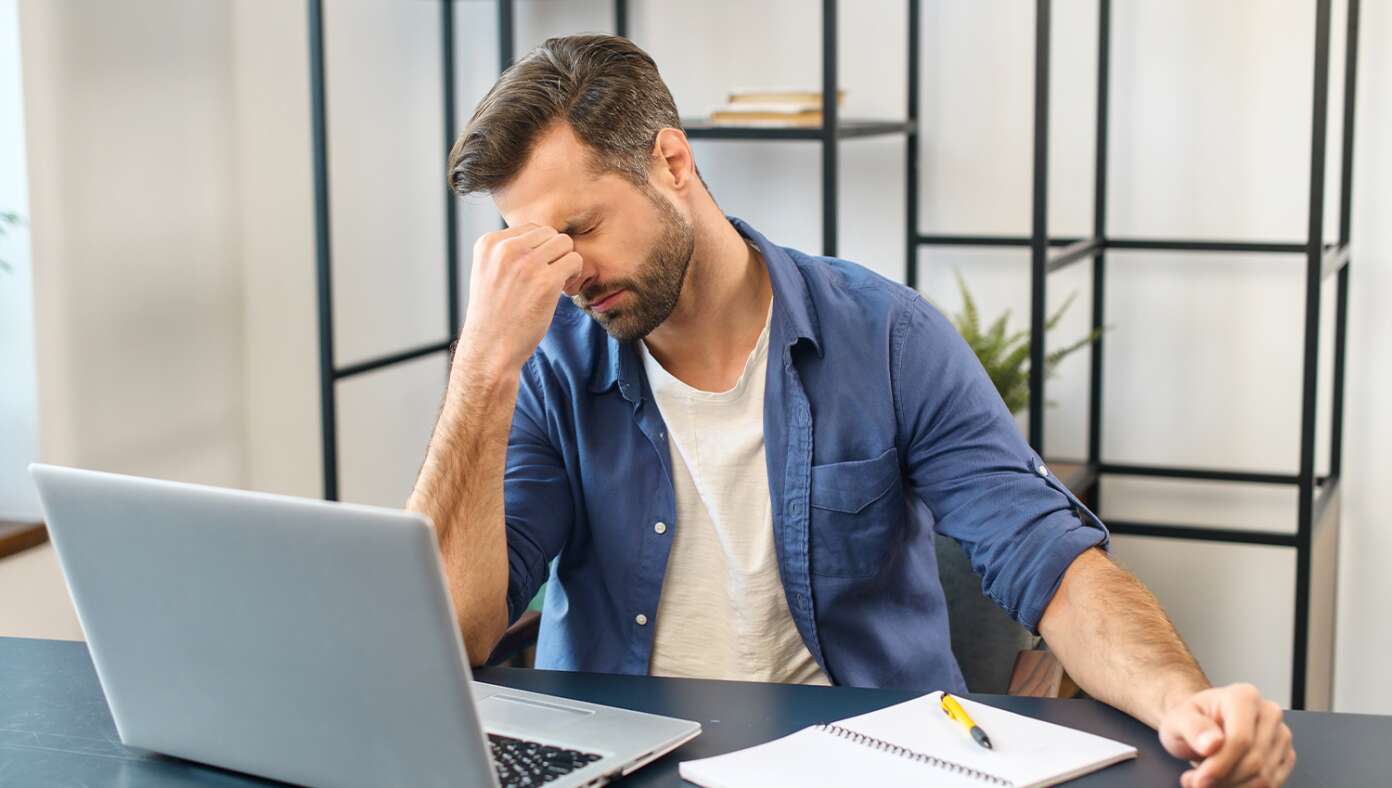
x=329 y=374
x=833 y=130
x=1315 y=493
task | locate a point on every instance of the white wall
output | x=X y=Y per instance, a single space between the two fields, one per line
x=1209 y=137
x=138 y=279
x=137 y=276
x=275 y=234
x=1364 y=627
x=33 y=574
x=19 y=395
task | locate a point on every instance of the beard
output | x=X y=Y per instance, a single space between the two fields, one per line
x=654 y=289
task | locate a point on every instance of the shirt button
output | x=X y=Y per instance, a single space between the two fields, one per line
x=641 y=620
x=661 y=528
x=1043 y=471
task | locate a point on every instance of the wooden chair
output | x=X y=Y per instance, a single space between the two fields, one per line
x=996 y=654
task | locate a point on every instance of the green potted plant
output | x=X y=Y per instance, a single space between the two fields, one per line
x=1005 y=354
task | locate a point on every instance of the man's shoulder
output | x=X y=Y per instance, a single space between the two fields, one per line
x=844 y=292
x=846 y=275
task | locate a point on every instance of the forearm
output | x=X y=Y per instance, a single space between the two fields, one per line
x=460 y=488
x=1116 y=642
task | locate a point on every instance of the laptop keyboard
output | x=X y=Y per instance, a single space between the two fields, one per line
x=524 y=763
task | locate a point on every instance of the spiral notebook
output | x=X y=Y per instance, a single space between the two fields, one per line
x=914 y=743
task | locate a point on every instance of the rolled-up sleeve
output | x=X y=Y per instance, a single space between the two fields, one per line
x=538 y=505
x=968 y=462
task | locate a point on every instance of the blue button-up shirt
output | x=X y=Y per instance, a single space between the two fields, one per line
x=880 y=425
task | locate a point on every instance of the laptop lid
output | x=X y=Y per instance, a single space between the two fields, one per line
x=303 y=640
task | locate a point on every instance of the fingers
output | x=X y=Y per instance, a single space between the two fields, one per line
x=1190 y=734
x=1232 y=737
x=515 y=230
x=517 y=239
x=1275 y=777
x=1276 y=755
x=541 y=250
x=1256 y=766
x=565 y=264
x=1283 y=769
x=537 y=236
x=516 y=247
x=1239 y=708
x=548 y=250
x=568 y=269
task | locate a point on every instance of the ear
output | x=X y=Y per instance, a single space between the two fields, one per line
x=672 y=163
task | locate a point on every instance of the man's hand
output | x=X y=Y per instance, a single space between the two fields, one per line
x=518 y=274
x=1232 y=736
x=1114 y=640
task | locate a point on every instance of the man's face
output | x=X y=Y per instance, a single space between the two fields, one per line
x=635 y=243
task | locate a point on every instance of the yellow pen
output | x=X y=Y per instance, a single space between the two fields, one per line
x=953 y=709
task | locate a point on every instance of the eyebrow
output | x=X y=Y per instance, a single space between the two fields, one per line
x=575 y=221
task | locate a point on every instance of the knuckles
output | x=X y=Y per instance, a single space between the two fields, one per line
x=1247 y=690
x=497 y=248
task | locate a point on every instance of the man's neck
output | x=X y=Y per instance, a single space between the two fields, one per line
x=724 y=302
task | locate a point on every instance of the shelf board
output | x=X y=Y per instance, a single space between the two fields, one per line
x=17 y=537
x=1076 y=475
x=701 y=128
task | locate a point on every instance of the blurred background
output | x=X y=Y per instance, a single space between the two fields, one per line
x=158 y=303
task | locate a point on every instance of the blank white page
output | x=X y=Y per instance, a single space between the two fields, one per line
x=812 y=758
x=1027 y=752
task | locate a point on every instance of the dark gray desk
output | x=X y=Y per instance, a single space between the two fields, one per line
x=55 y=729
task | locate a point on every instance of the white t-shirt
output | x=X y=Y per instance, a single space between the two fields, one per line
x=722 y=613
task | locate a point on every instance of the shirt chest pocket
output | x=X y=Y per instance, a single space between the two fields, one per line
x=857 y=515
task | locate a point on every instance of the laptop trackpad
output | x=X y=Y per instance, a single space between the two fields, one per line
x=506 y=711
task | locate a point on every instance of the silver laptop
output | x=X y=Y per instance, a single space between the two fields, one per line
x=307 y=641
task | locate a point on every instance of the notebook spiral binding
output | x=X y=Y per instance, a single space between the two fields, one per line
x=903 y=752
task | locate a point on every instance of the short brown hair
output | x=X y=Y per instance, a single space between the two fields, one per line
x=604 y=86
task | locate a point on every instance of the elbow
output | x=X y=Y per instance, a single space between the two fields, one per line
x=477 y=657
x=482 y=638
x=507 y=641
x=479 y=646
x=480 y=641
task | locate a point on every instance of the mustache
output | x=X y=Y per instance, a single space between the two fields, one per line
x=595 y=293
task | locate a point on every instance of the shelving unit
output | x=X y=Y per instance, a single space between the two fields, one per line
x=1316 y=537
x=832 y=132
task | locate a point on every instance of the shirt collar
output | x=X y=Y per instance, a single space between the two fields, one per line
x=794 y=319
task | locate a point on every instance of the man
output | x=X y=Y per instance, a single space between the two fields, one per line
x=729 y=457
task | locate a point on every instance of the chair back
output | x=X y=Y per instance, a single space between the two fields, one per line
x=985 y=639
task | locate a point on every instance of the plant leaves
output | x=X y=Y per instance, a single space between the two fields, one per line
x=969 y=314
x=1005 y=356
x=1058 y=315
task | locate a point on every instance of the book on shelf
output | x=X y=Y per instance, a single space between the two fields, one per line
x=766 y=115
x=782 y=95
x=777 y=106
